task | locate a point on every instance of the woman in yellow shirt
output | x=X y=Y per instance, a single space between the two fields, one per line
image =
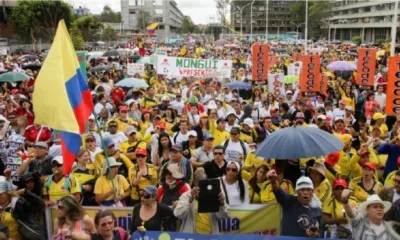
x=256 y=183
x=144 y=121
x=378 y=121
x=347 y=95
x=140 y=175
x=111 y=188
x=267 y=196
x=366 y=185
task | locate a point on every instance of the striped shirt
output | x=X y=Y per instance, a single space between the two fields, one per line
x=364 y=230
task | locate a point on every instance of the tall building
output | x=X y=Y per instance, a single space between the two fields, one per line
x=6 y=30
x=166 y=12
x=369 y=19
x=280 y=18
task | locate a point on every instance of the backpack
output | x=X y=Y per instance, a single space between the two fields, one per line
x=241 y=144
x=66 y=183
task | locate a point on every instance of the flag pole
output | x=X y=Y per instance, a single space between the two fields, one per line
x=103 y=146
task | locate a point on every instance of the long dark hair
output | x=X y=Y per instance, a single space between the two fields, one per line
x=253 y=181
x=160 y=147
x=73 y=208
x=241 y=185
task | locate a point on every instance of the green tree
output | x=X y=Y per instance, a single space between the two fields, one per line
x=143 y=20
x=109 y=33
x=89 y=26
x=188 y=26
x=108 y=15
x=76 y=37
x=40 y=16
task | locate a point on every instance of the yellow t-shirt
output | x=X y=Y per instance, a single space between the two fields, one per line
x=346 y=162
x=252 y=160
x=104 y=185
x=144 y=126
x=389 y=181
x=360 y=193
x=57 y=190
x=203 y=222
x=150 y=179
x=8 y=220
x=148 y=102
x=127 y=147
x=219 y=136
x=267 y=196
x=254 y=197
x=85 y=175
x=323 y=191
x=384 y=128
x=334 y=208
x=122 y=125
x=248 y=137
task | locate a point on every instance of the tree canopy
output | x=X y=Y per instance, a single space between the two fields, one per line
x=109 y=33
x=89 y=27
x=143 y=20
x=108 y=15
x=40 y=17
x=188 y=26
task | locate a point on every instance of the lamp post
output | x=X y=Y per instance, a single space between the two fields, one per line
x=266 y=19
x=306 y=29
x=241 y=18
x=394 y=28
x=329 y=30
x=297 y=29
x=251 y=21
x=278 y=26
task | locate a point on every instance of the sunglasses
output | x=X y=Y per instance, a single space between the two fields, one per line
x=140 y=156
x=218 y=153
x=228 y=169
x=112 y=126
x=105 y=224
x=123 y=111
x=56 y=165
x=145 y=196
x=89 y=140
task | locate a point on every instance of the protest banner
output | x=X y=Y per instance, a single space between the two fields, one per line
x=134 y=68
x=189 y=67
x=260 y=62
x=4 y=50
x=393 y=86
x=272 y=60
x=190 y=236
x=276 y=84
x=366 y=66
x=254 y=218
x=296 y=56
x=324 y=83
x=310 y=79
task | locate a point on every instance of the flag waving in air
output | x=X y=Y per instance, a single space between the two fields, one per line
x=151 y=29
x=61 y=97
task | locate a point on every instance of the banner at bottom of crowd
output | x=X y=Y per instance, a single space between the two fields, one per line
x=189 y=236
x=249 y=219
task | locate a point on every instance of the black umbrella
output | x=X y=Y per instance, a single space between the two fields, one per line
x=29 y=57
x=343 y=74
x=99 y=68
x=112 y=53
x=32 y=66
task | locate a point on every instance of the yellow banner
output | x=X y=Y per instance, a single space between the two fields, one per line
x=255 y=219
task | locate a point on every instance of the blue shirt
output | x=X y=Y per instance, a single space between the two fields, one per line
x=393 y=152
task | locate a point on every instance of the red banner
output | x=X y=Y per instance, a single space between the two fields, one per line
x=366 y=66
x=296 y=56
x=272 y=60
x=310 y=80
x=324 y=83
x=259 y=62
x=393 y=86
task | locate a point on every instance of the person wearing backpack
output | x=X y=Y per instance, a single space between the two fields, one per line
x=105 y=222
x=235 y=149
x=57 y=185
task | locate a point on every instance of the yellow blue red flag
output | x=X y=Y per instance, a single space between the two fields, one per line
x=61 y=97
x=151 y=29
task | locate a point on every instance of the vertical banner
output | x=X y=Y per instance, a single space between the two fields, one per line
x=276 y=84
x=296 y=56
x=393 y=86
x=259 y=62
x=272 y=60
x=82 y=61
x=324 y=83
x=366 y=66
x=310 y=79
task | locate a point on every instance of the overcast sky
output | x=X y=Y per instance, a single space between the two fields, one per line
x=199 y=10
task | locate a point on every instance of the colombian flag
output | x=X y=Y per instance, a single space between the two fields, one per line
x=61 y=97
x=151 y=29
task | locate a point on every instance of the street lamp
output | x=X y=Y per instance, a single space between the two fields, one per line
x=329 y=30
x=394 y=29
x=251 y=21
x=306 y=29
x=297 y=29
x=266 y=19
x=278 y=26
x=241 y=18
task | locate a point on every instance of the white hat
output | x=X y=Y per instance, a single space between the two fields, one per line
x=211 y=105
x=58 y=159
x=371 y=200
x=289 y=92
x=165 y=98
x=323 y=117
x=111 y=162
x=349 y=108
x=249 y=122
x=339 y=118
x=91 y=117
x=192 y=133
x=175 y=172
x=304 y=182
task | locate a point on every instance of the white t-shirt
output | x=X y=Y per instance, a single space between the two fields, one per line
x=179 y=137
x=118 y=138
x=381 y=99
x=396 y=197
x=107 y=88
x=93 y=154
x=338 y=113
x=98 y=107
x=178 y=105
x=233 y=192
x=234 y=150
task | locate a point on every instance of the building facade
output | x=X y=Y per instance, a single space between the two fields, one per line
x=6 y=29
x=280 y=18
x=369 y=19
x=166 y=12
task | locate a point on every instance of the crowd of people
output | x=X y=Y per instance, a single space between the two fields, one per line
x=149 y=149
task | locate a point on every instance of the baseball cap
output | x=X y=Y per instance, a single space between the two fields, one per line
x=165 y=98
x=151 y=190
x=123 y=108
x=141 y=151
x=176 y=147
x=249 y=122
x=378 y=116
x=289 y=92
x=192 y=133
x=41 y=145
x=300 y=115
x=322 y=117
x=339 y=119
x=369 y=165
x=348 y=108
x=58 y=159
x=235 y=130
x=208 y=137
x=304 y=182
x=332 y=158
x=339 y=182
x=129 y=130
x=108 y=142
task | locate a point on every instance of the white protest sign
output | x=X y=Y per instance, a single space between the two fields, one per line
x=134 y=68
x=276 y=85
x=4 y=50
x=190 y=67
x=295 y=68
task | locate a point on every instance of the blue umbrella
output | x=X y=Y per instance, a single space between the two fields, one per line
x=238 y=85
x=132 y=83
x=341 y=66
x=298 y=142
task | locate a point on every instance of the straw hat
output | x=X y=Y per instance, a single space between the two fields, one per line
x=372 y=200
x=174 y=170
x=318 y=167
x=112 y=163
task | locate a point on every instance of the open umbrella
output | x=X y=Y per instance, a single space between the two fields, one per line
x=32 y=66
x=13 y=77
x=209 y=53
x=290 y=79
x=147 y=60
x=341 y=66
x=111 y=53
x=298 y=142
x=99 y=68
x=29 y=57
x=132 y=83
x=221 y=42
x=238 y=85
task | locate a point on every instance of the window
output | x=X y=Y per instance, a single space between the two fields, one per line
x=158 y=11
x=356 y=32
x=338 y=33
x=132 y=11
x=346 y=34
x=367 y=9
x=158 y=2
x=380 y=33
